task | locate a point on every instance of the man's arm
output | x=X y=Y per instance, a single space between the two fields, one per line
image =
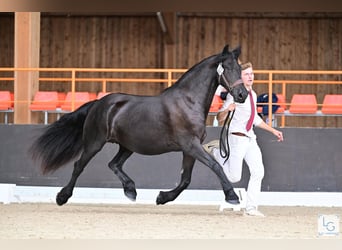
x=268 y=128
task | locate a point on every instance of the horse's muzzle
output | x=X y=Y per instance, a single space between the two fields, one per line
x=239 y=92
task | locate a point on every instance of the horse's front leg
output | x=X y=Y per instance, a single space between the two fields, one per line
x=116 y=165
x=187 y=166
x=200 y=154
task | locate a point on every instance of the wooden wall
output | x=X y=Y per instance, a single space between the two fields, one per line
x=100 y=42
x=6 y=47
x=103 y=42
x=270 y=41
x=281 y=42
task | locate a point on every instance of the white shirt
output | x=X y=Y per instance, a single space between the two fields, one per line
x=242 y=114
x=219 y=90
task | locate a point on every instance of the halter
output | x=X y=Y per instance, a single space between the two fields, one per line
x=220 y=71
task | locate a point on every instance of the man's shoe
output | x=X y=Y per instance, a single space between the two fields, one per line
x=211 y=145
x=254 y=212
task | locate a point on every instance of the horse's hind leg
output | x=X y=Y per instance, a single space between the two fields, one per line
x=116 y=165
x=187 y=166
x=79 y=165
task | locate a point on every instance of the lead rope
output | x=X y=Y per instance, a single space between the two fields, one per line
x=224 y=145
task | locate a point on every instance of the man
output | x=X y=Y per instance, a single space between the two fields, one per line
x=242 y=141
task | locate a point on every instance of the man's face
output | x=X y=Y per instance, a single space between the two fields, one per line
x=247 y=77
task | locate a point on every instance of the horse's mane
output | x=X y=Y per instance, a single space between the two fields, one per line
x=189 y=73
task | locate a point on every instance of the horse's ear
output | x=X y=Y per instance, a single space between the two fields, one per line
x=225 y=50
x=237 y=52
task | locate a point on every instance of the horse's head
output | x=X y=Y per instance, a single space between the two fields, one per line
x=229 y=74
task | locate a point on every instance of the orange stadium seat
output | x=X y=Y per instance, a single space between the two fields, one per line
x=5 y=100
x=92 y=96
x=61 y=98
x=332 y=104
x=80 y=99
x=216 y=104
x=102 y=94
x=12 y=99
x=282 y=103
x=303 y=104
x=6 y=103
x=44 y=100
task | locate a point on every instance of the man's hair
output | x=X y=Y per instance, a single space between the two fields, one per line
x=246 y=65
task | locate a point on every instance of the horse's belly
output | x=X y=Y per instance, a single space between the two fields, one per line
x=151 y=151
x=146 y=135
x=151 y=148
x=147 y=145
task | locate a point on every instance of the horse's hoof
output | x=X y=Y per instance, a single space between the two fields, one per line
x=132 y=195
x=234 y=202
x=161 y=199
x=61 y=199
x=232 y=198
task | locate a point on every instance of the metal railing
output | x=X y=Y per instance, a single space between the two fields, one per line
x=74 y=76
x=282 y=77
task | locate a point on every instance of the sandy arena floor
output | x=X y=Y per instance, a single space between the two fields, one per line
x=74 y=221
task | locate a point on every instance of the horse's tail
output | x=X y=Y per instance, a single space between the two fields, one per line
x=61 y=141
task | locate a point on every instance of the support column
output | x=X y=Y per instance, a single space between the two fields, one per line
x=26 y=55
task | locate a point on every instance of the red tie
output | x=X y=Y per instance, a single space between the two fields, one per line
x=251 y=118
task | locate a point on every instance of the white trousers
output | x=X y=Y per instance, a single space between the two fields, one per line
x=244 y=148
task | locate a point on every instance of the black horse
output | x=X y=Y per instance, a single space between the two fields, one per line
x=149 y=125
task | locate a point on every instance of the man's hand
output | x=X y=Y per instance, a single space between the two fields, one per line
x=278 y=134
x=221 y=116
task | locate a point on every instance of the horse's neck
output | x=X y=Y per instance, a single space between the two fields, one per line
x=200 y=78
x=198 y=86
